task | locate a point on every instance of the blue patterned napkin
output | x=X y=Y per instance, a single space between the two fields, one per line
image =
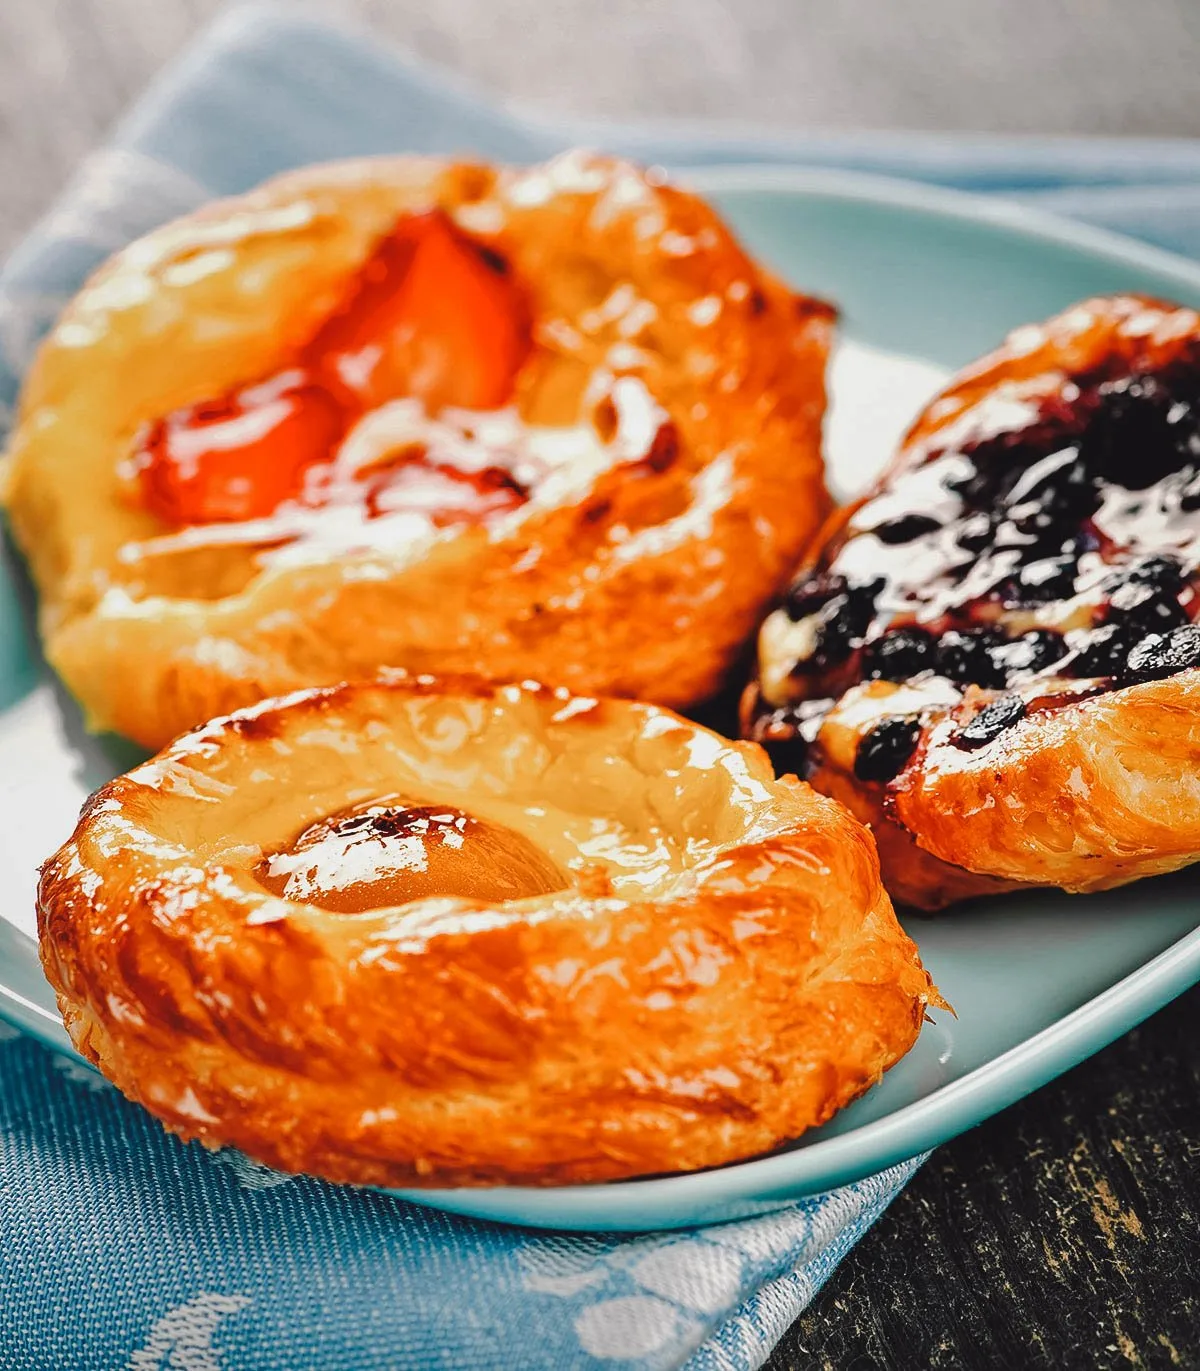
x=121 y=1248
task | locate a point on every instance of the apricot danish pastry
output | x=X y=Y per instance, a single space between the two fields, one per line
x=993 y=657
x=538 y=422
x=412 y=932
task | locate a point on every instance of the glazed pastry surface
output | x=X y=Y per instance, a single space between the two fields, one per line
x=422 y=932
x=547 y=422
x=993 y=656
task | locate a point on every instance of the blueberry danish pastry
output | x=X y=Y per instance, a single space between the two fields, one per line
x=993 y=656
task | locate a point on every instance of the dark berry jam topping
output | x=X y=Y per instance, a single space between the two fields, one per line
x=1144 y=428
x=1161 y=572
x=1031 y=653
x=1163 y=654
x=969 y=656
x=1053 y=546
x=991 y=721
x=899 y=655
x=807 y=596
x=1041 y=581
x=906 y=528
x=1103 y=652
x=788 y=734
x=883 y=753
x=1056 y=539
x=843 y=621
x=1145 y=607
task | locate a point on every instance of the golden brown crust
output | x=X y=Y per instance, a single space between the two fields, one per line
x=672 y=1019
x=1083 y=795
x=1086 y=797
x=644 y=585
x=914 y=875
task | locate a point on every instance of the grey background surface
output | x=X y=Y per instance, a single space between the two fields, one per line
x=68 y=67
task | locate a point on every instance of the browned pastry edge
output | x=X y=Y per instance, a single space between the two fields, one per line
x=915 y=876
x=1087 y=796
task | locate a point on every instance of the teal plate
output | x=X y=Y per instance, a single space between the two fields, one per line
x=927 y=280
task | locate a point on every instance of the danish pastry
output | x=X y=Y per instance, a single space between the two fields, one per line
x=537 y=422
x=411 y=932
x=993 y=657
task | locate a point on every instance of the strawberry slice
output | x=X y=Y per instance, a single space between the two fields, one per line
x=239 y=457
x=431 y=315
x=434 y=316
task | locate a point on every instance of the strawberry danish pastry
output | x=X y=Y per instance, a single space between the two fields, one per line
x=994 y=656
x=539 y=422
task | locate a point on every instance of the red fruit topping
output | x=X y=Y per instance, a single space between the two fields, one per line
x=431 y=315
x=239 y=457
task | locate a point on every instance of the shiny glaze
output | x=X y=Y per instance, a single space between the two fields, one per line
x=431 y=314
x=401 y=477
x=1047 y=535
x=390 y=852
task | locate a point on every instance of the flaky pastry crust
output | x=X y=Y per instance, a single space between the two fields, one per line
x=1091 y=782
x=722 y=970
x=644 y=581
x=1085 y=797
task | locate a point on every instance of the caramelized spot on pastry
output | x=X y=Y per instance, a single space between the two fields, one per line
x=604 y=417
x=431 y=315
x=390 y=852
x=664 y=448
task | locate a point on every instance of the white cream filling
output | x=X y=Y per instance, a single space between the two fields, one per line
x=556 y=465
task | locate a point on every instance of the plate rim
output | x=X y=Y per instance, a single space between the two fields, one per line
x=1012 y=215
x=781 y=1178
x=896 y=1137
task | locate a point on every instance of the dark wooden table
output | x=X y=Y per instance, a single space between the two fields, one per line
x=1064 y=1233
